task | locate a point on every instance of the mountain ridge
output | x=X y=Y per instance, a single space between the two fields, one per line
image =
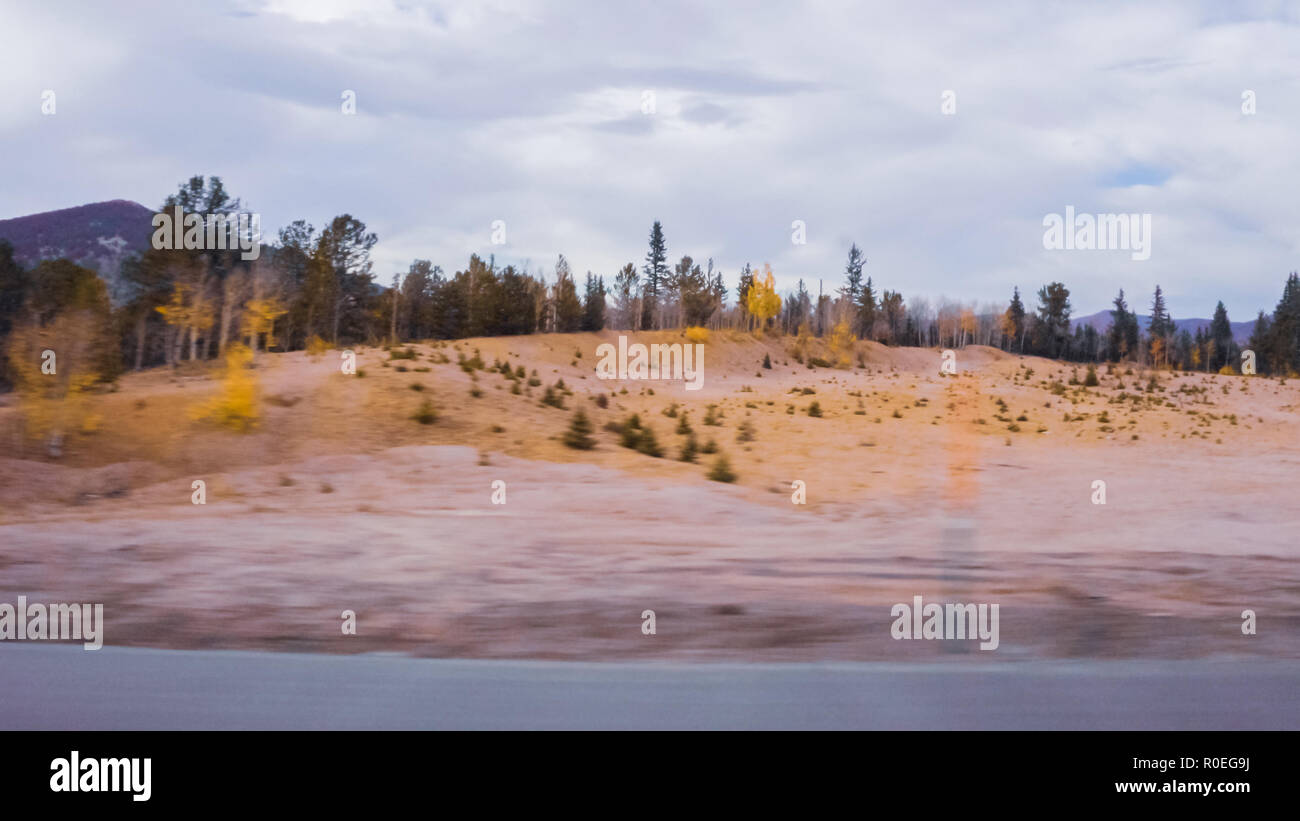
x=97 y=235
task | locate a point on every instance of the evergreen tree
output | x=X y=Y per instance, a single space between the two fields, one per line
x=1122 y=338
x=1221 y=336
x=345 y=247
x=1014 y=319
x=742 y=291
x=578 y=436
x=852 y=289
x=656 y=272
x=1160 y=329
x=1054 y=315
x=694 y=291
x=866 y=311
x=15 y=283
x=593 y=306
x=1182 y=354
x=1283 y=349
x=1260 y=338
x=568 y=308
x=718 y=289
x=893 y=312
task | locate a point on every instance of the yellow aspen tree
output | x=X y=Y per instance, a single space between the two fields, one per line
x=236 y=406
x=763 y=301
x=259 y=319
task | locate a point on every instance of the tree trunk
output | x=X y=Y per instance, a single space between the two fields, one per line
x=392 y=334
x=140 y=325
x=226 y=316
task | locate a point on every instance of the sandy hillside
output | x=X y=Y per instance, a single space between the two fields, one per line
x=969 y=488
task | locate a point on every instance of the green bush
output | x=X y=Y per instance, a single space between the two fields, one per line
x=721 y=470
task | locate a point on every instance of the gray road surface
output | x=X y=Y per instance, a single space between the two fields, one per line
x=44 y=686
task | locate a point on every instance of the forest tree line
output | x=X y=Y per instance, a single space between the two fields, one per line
x=316 y=286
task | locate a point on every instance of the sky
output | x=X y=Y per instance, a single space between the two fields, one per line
x=536 y=114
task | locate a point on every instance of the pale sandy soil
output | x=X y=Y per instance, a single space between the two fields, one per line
x=339 y=501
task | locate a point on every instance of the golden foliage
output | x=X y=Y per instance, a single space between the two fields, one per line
x=186 y=309
x=236 y=406
x=763 y=301
x=841 y=345
x=53 y=403
x=316 y=346
x=259 y=318
x=697 y=335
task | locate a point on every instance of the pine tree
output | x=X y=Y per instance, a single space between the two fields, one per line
x=647 y=443
x=593 y=307
x=656 y=272
x=1054 y=315
x=695 y=293
x=578 y=436
x=1122 y=337
x=852 y=289
x=690 y=449
x=1160 y=329
x=568 y=308
x=721 y=470
x=866 y=311
x=742 y=292
x=1283 y=350
x=1014 y=319
x=1221 y=336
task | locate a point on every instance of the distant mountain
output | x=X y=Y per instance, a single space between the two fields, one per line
x=1101 y=321
x=99 y=236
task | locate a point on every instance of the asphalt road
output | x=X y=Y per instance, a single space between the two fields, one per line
x=64 y=687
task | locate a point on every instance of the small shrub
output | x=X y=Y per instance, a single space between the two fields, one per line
x=316 y=346
x=690 y=450
x=578 y=436
x=721 y=470
x=425 y=414
x=648 y=444
x=552 y=398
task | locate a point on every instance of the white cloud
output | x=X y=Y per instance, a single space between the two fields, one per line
x=829 y=112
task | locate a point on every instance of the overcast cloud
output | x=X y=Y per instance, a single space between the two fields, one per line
x=531 y=113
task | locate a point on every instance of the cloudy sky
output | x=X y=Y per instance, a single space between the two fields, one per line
x=829 y=113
